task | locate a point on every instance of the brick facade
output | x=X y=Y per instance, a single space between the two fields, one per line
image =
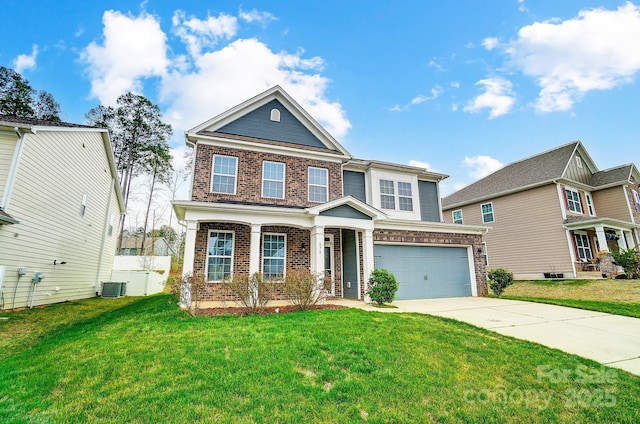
x=396 y=236
x=249 y=181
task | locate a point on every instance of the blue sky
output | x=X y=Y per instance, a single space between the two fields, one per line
x=462 y=87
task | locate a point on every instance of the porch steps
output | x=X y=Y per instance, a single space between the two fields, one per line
x=589 y=275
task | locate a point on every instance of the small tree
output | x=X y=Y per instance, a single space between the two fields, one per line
x=189 y=290
x=628 y=259
x=499 y=280
x=304 y=288
x=382 y=286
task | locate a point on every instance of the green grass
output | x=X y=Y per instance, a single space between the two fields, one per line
x=620 y=297
x=150 y=362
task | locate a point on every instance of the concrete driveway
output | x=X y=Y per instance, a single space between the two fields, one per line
x=611 y=340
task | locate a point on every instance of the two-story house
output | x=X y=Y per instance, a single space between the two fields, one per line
x=553 y=214
x=60 y=204
x=272 y=190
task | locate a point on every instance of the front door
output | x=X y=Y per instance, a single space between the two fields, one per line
x=349 y=264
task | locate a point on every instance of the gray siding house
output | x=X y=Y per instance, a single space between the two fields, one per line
x=273 y=191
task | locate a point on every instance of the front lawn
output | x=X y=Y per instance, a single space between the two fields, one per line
x=150 y=362
x=621 y=297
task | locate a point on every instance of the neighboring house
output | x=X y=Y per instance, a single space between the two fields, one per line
x=273 y=191
x=552 y=213
x=153 y=246
x=60 y=203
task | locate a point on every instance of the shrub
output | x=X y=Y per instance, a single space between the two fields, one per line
x=252 y=292
x=304 y=288
x=628 y=260
x=382 y=286
x=189 y=289
x=499 y=280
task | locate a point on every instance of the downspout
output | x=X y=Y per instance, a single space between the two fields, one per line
x=13 y=170
x=104 y=233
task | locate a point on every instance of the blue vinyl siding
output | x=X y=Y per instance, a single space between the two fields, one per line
x=258 y=124
x=429 y=206
x=354 y=185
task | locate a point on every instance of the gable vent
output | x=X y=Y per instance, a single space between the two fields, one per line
x=275 y=115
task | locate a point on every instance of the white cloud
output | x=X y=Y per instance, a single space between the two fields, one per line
x=254 y=15
x=490 y=43
x=522 y=7
x=247 y=67
x=498 y=97
x=419 y=164
x=455 y=84
x=597 y=50
x=436 y=65
x=198 y=34
x=25 y=62
x=480 y=166
x=133 y=48
x=436 y=91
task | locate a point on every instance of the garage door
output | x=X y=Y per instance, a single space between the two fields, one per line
x=426 y=271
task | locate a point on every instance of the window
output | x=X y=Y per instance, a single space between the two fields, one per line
x=404 y=196
x=224 y=174
x=487 y=213
x=387 y=195
x=573 y=200
x=219 y=255
x=318 y=185
x=273 y=179
x=273 y=256
x=275 y=115
x=590 y=207
x=457 y=216
x=636 y=199
x=83 y=204
x=583 y=247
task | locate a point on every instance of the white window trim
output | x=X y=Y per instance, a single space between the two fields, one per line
x=275 y=115
x=493 y=213
x=233 y=247
x=566 y=189
x=590 y=206
x=309 y=185
x=284 y=178
x=453 y=216
x=579 y=162
x=396 y=195
x=284 y=268
x=235 y=176
x=586 y=237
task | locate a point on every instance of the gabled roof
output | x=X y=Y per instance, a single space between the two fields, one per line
x=530 y=172
x=618 y=174
x=352 y=202
x=276 y=93
x=362 y=164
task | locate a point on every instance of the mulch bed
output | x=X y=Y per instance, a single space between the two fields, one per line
x=240 y=311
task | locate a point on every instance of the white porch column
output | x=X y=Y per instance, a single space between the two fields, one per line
x=189 y=247
x=254 y=249
x=628 y=236
x=317 y=250
x=602 y=239
x=367 y=258
x=622 y=242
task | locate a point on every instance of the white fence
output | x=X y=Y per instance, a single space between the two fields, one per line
x=144 y=275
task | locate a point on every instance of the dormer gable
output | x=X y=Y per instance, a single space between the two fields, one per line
x=272 y=116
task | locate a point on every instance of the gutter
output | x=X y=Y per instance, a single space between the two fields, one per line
x=112 y=187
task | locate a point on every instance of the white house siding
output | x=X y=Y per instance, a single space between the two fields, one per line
x=55 y=169
x=527 y=236
x=7 y=147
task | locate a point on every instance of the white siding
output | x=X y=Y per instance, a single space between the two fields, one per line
x=7 y=147
x=56 y=168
